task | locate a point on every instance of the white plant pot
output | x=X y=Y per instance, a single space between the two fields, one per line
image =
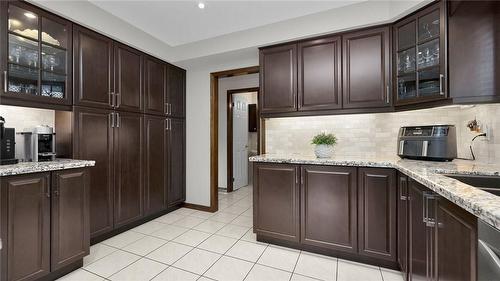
x=323 y=151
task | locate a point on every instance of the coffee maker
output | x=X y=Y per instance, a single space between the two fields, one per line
x=7 y=144
x=39 y=144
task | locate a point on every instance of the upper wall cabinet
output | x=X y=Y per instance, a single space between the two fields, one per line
x=366 y=75
x=35 y=56
x=93 y=64
x=176 y=91
x=128 y=78
x=155 y=90
x=420 y=56
x=320 y=74
x=474 y=39
x=278 y=79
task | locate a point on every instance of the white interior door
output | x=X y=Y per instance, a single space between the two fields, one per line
x=240 y=141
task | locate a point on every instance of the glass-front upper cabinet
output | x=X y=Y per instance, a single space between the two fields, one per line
x=36 y=55
x=420 y=56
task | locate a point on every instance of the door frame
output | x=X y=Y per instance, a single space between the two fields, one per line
x=229 y=142
x=214 y=129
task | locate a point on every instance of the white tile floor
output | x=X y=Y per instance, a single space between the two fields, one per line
x=193 y=245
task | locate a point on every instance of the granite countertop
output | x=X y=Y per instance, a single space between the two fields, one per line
x=482 y=204
x=36 y=167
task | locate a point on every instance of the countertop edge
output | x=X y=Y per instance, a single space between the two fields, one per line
x=39 y=167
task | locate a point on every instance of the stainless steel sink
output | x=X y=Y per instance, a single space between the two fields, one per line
x=490 y=184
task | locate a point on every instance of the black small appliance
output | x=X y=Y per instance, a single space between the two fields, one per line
x=7 y=144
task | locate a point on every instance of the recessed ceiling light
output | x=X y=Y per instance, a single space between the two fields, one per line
x=30 y=15
x=201 y=5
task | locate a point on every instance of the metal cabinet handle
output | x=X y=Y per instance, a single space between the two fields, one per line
x=166 y=124
x=118 y=120
x=165 y=108
x=402 y=186
x=47 y=191
x=387 y=98
x=441 y=77
x=112 y=117
x=5 y=81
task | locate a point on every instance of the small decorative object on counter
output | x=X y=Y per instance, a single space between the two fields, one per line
x=324 y=144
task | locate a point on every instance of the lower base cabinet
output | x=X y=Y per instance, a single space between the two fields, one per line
x=45 y=223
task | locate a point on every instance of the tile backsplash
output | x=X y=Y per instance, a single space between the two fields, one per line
x=22 y=118
x=375 y=134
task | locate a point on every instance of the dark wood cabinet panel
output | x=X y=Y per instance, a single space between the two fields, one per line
x=155 y=80
x=155 y=164
x=474 y=38
x=27 y=202
x=456 y=242
x=70 y=235
x=328 y=207
x=176 y=91
x=377 y=195
x=93 y=138
x=93 y=68
x=320 y=74
x=402 y=214
x=278 y=79
x=128 y=181
x=176 y=162
x=418 y=233
x=276 y=201
x=128 y=71
x=366 y=68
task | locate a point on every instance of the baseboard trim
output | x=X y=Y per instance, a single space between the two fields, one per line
x=199 y=207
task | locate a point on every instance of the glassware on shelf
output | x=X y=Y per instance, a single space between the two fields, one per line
x=23 y=51
x=428 y=54
x=407 y=87
x=53 y=59
x=406 y=61
x=428 y=82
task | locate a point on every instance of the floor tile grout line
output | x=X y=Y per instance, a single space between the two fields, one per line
x=246 y=276
x=295 y=266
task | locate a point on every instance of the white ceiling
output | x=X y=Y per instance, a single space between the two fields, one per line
x=181 y=22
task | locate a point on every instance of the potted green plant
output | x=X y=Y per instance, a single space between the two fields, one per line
x=324 y=144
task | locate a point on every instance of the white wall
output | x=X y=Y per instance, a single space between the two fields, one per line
x=225 y=84
x=198 y=118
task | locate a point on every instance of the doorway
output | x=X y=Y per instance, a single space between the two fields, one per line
x=242 y=135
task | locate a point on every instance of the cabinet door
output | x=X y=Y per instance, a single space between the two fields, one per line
x=128 y=168
x=176 y=91
x=94 y=140
x=276 y=201
x=93 y=68
x=403 y=224
x=155 y=77
x=377 y=197
x=128 y=78
x=28 y=227
x=70 y=217
x=456 y=242
x=278 y=78
x=328 y=207
x=366 y=75
x=320 y=74
x=176 y=163
x=155 y=164
x=418 y=238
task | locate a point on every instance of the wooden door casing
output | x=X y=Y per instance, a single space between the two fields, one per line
x=320 y=74
x=276 y=201
x=366 y=68
x=328 y=207
x=128 y=181
x=377 y=195
x=70 y=235
x=28 y=230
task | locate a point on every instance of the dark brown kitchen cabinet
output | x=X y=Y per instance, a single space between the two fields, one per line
x=402 y=222
x=456 y=242
x=93 y=65
x=420 y=237
x=35 y=56
x=366 y=68
x=474 y=40
x=128 y=181
x=26 y=230
x=278 y=79
x=176 y=91
x=420 y=62
x=276 y=201
x=155 y=81
x=377 y=195
x=70 y=235
x=320 y=74
x=328 y=207
x=176 y=136
x=155 y=164
x=93 y=139
x=128 y=69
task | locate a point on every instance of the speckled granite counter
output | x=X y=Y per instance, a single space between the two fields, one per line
x=482 y=204
x=36 y=167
